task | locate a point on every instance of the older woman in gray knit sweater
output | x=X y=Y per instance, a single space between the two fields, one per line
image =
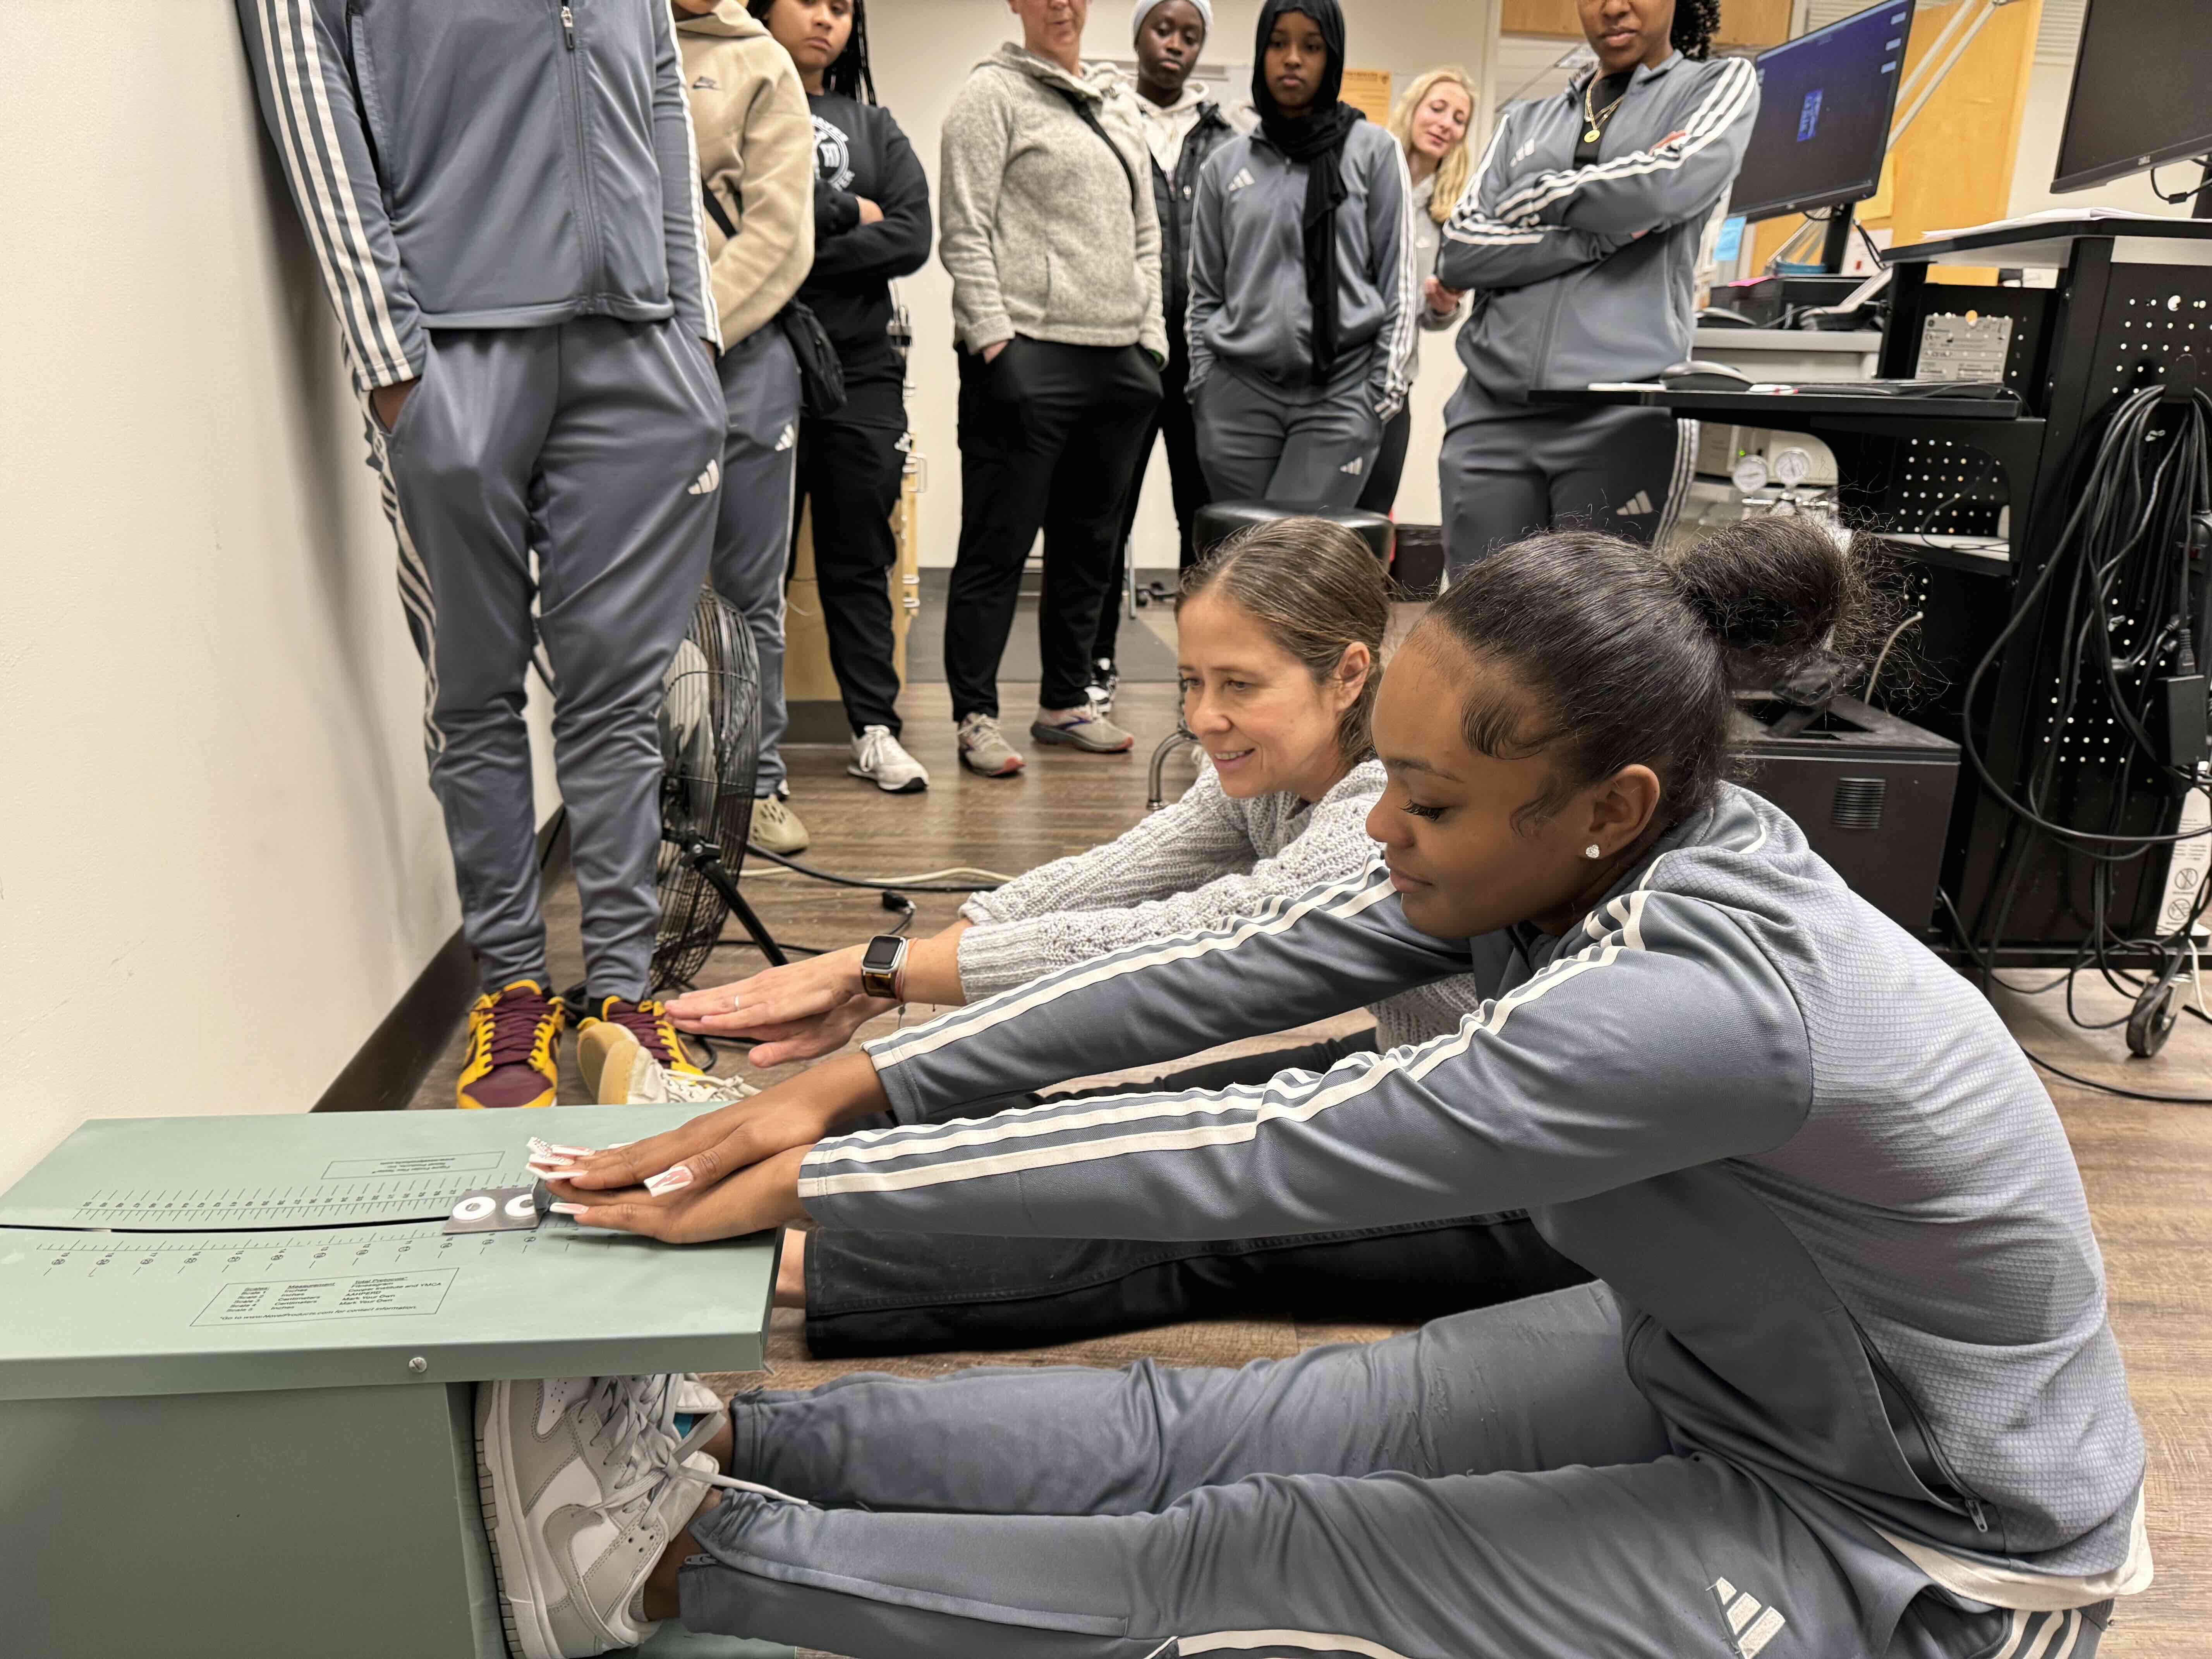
x=1279 y=640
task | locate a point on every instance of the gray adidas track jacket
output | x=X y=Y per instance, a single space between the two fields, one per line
x=1849 y=1243
x=1248 y=295
x=484 y=164
x=1589 y=273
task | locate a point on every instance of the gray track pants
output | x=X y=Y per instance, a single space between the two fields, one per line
x=1504 y=476
x=593 y=443
x=752 y=525
x=1489 y=1488
x=1256 y=446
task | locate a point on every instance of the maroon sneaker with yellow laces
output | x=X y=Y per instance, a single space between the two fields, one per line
x=608 y=1062
x=511 y=1059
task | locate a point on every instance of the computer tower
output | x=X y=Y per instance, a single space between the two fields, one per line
x=1872 y=793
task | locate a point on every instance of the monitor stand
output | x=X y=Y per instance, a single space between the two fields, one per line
x=1836 y=243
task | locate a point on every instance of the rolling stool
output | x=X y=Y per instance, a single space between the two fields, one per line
x=1216 y=523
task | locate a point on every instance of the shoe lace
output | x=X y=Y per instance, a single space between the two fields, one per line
x=875 y=742
x=708 y=1090
x=980 y=729
x=637 y=1425
x=512 y=1034
x=648 y=1022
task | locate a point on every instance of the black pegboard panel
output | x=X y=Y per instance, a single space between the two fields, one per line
x=2162 y=312
x=1928 y=486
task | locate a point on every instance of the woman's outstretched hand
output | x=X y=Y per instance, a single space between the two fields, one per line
x=760 y=1197
x=714 y=1147
x=801 y=1011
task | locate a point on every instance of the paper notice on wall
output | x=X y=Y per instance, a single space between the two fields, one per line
x=1368 y=91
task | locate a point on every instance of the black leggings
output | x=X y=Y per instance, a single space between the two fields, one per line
x=872 y=1294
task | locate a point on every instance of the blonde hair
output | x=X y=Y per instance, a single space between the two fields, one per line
x=1458 y=161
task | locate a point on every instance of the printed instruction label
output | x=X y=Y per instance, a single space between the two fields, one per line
x=365 y=1296
x=363 y=1169
x=2185 y=870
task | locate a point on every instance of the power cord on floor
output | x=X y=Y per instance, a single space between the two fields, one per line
x=929 y=881
x=1990 y=976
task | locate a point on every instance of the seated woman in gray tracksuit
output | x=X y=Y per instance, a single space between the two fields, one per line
x=1303 y=300
x=1580 y=241
x=1845 y=1385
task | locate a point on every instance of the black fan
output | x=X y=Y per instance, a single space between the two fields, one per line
x=709 y=758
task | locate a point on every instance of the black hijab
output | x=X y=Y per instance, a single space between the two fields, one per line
x=1315 y=138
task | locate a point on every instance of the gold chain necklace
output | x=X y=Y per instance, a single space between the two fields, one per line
x=1596 y=119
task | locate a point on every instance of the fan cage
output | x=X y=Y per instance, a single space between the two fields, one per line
x=710 y=761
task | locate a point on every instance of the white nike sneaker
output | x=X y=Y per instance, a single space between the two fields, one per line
x=584 y=1481
x=883 y=761
x=619 y=1072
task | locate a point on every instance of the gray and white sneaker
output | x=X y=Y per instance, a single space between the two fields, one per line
x=584 y=1482
x=619 y=1071
x=1086 y=728
x=984 y=748
x=883 y=761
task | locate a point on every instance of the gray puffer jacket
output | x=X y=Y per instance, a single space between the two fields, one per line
x=484 y=164
x=1588 y=273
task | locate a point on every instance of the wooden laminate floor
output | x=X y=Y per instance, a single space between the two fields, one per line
x=2148 y=1168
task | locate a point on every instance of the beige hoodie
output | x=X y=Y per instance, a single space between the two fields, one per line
x=1038 y=224
x=757 y=154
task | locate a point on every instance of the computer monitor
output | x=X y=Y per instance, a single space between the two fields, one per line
x=1825 y=101
x=2142 y=90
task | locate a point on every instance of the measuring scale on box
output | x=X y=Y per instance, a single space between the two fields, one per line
x=238 y=1359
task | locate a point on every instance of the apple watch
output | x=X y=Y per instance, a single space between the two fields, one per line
x=883 y=967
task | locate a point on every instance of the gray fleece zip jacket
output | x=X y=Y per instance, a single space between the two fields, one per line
x=1248 y=306
x=1198 y=864
x=1589 y=273
x=1850 y=1247
x=484 y=164
x=1046 y=234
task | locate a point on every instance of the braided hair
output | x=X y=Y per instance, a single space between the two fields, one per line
x=850 y=76
x=1695 y=22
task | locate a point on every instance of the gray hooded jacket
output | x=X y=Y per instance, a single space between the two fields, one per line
x=484 y=164
x=1850 y=1245
x=1588 y=273
x=1248 y=289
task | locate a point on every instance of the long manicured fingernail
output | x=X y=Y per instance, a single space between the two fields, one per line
x=669 y=1181
x=567 y=1209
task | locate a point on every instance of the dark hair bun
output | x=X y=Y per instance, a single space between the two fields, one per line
x=1785 y=595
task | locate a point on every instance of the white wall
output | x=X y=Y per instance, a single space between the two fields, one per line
x=219 y=863
x=923 y=49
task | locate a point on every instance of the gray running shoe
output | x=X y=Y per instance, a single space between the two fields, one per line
x=984 y=748
x=1090 y=731
x=883 y=761
x=584 y=1482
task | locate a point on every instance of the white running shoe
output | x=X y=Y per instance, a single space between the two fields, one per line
x=584 y=1482
x=618 y=1071
x=984 y=748
x=883 y=761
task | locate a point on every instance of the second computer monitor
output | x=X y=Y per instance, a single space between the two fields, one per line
x=1825 y=102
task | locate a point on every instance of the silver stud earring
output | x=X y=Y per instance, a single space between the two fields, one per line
x=1591 y=851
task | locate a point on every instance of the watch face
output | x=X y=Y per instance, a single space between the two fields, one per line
x=881 y=954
